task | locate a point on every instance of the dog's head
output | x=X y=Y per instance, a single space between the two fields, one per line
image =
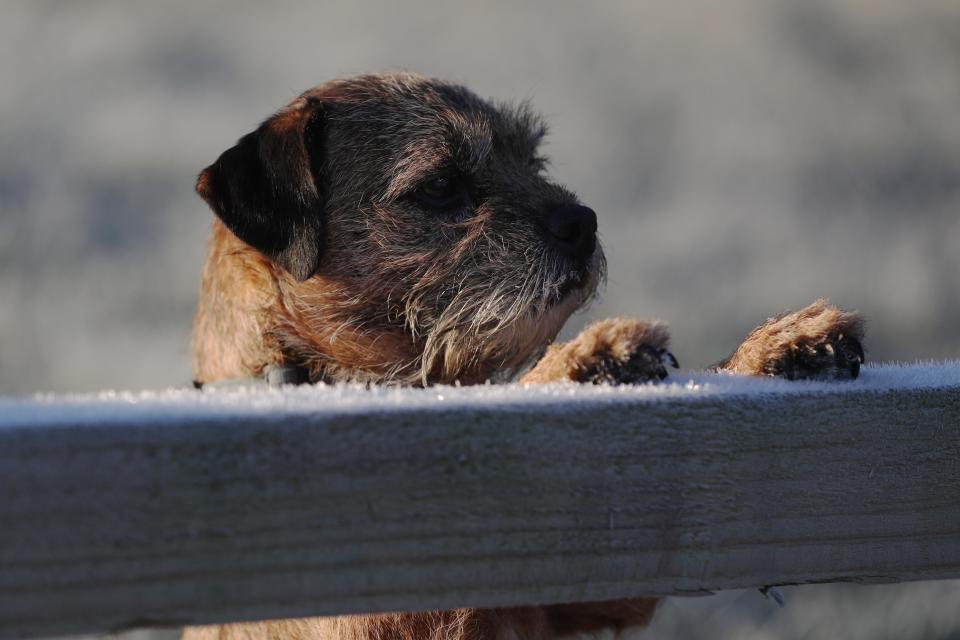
x=405 y=210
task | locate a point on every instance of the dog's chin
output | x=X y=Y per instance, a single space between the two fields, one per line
x=574 y=290
x=572 y=285
x=505 y=342
x=578 y=285
x=501 y=355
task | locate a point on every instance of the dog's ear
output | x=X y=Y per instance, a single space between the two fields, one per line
x=266 y=188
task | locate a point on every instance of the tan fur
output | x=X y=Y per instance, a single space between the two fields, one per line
x=812 y=334
x=402 y=295
x=239 y=298
x=614 y=339
x=528 y=623
x=518 y=623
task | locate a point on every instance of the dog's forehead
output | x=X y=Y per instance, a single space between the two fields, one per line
x=408 y=109
x=414 y=126
x=506 y=127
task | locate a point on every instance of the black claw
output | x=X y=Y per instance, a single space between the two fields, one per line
x=854 y=369
x=644 y=365
x=789 y=370
x=837 y=356
x=853 y=346
x=670 y=358
x=850 y=355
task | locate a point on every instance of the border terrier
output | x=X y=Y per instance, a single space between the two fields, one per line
x=400 y=229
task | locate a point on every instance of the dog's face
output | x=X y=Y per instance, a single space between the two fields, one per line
x=413 y=218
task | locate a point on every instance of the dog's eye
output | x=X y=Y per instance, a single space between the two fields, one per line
x=442 y=187
x=441 y=191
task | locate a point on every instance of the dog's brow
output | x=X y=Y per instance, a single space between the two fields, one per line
x=463 y=143
x=416 y=163
x=470 y=139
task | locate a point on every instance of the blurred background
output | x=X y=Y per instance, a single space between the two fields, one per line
x=744 y=157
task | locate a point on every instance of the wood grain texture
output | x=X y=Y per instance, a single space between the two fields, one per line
x=256 y=517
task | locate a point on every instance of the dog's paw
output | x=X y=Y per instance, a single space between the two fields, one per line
x=620 y=351
x=818 y=341
x=612 y=351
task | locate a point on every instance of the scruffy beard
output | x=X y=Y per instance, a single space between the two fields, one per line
x=437 y=317
x=495 y=325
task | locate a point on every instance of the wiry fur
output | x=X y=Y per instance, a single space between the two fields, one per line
x=402 y=296
x=323 y=256
x=516 y=623
x=615 y=350
x=818 y=341
x=461 y=624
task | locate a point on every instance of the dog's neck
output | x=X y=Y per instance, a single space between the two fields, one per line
x=253 y=315
x=236 y=291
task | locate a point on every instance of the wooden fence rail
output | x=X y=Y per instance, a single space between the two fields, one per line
x=187 y=507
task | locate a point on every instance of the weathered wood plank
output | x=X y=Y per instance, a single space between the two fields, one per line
x=221 y=515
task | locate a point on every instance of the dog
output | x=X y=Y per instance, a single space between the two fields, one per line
x=396 y=229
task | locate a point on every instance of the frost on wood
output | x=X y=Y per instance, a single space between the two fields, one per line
x=227 y=401
x=185 y=507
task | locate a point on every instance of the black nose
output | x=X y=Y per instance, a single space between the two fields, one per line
x=572 y=228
